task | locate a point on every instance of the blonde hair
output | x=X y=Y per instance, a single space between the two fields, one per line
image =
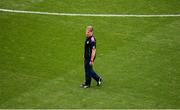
x=90 y=28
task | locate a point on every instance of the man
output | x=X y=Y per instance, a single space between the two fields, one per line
x=89 y=57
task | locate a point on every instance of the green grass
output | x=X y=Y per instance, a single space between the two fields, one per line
x=41 y=56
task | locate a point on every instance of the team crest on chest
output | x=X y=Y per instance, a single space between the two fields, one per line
x=87 y=42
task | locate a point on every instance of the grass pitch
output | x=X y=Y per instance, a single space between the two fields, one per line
x=41 y=56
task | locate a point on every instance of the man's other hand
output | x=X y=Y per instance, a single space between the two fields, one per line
x=91 y=62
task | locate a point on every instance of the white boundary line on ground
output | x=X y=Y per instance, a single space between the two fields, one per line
x=88 y=15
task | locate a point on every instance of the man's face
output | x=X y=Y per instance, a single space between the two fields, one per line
x=88 y=33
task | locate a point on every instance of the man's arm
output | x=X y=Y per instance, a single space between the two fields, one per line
x=92 y=56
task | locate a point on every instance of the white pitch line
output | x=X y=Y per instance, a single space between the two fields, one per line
x=88 y=15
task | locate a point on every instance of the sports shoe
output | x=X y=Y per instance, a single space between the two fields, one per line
x=99 y=82
x=84 y=85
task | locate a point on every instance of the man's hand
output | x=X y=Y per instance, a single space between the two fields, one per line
x=91 y=62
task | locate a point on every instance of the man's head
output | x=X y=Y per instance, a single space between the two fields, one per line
x=89 y=31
